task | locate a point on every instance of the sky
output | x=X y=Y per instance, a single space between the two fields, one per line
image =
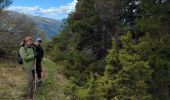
x=55 y=9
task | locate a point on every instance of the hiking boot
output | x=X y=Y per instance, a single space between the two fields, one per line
x=39 y=83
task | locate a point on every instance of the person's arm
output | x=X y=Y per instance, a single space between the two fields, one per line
x=42 y=52
x=24 y=54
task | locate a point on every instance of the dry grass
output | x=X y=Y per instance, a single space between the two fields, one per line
x=12 y=82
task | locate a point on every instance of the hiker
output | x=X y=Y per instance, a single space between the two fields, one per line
x=39 y=57
x=27 y=53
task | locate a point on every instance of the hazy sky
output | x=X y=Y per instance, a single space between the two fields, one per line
x=56 y=9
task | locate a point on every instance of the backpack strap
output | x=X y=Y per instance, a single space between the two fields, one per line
x=31 y=47
x=25 y=49
x=34 y=49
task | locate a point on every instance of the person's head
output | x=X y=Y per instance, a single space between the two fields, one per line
x=38 y=41
x=28 y=41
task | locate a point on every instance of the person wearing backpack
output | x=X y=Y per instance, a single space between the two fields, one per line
x=27 y=53
x=18 y=56
x=39 y=57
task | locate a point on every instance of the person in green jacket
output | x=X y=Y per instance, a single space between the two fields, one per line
x=28 y=56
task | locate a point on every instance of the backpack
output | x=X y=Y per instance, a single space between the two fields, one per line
x=18 y=56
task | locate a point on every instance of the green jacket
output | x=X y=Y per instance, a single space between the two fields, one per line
x=27 y=53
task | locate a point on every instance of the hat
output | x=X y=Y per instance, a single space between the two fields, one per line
x=38 y=39
x=27 y=38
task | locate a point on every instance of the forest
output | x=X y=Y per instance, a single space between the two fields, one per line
x=114 y=50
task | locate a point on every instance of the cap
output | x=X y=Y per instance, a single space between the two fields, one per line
x=38 y=39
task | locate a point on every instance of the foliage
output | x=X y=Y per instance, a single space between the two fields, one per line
x=12 y=30
x=4 y=3
x=116 y=49
x=126 y=74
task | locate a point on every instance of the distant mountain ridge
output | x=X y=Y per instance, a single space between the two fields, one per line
x=49 y=26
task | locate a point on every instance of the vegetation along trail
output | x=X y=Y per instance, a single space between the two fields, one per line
x=105 y=49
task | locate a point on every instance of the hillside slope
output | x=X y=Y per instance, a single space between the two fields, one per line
x=49 y=26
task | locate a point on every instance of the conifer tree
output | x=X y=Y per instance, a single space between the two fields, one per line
x=134 y=68
x=126 y=74
x=154 y=23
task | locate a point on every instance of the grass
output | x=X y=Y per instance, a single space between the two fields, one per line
x=13 y=82
x=53 y=85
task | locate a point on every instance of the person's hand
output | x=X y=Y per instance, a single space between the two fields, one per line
x=36 y=55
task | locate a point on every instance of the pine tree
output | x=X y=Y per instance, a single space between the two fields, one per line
x=136 y=68
x=126 y=74
x=154 y=23
x=156 y=52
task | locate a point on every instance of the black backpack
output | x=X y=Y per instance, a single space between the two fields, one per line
x=18 y=56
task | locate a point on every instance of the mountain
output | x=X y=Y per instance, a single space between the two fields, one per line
x=49 y=26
